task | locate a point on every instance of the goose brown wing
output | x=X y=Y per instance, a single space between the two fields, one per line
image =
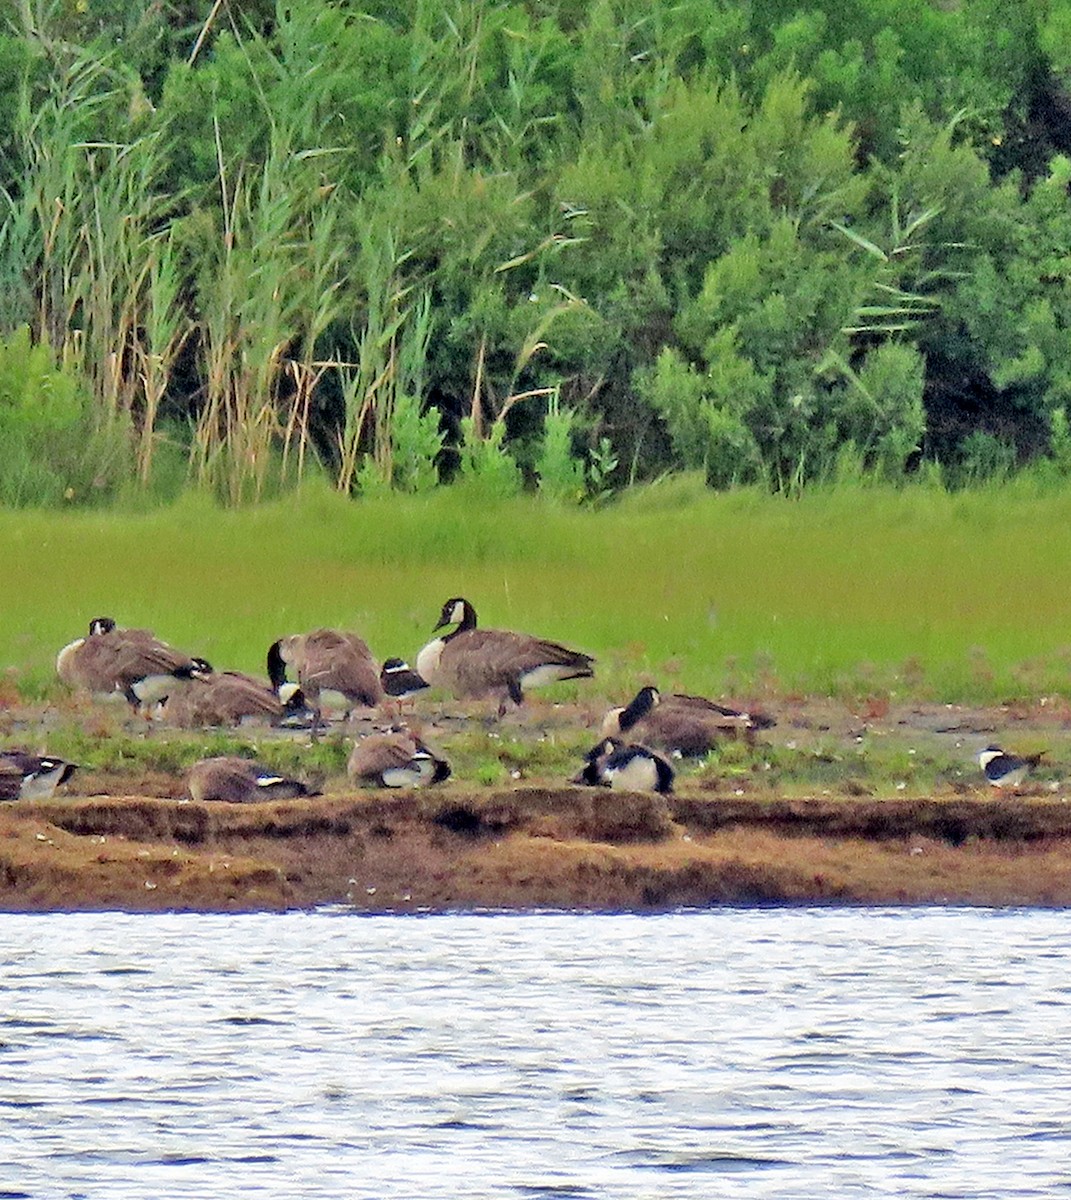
x=225 y=778
x=343 y=663
x=222 y=699
x=321 y=640
x=481 y=659
x=133 y=635
x=381 y=752
x=689 y=730
x=236 y=695
x=757 y=719
x=349 y=674
x=136 y=659
x=94 y=664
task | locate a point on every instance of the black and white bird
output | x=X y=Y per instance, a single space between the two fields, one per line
x=1007 y=770
x=634 y=768
x=400 y=681
x=30 y=776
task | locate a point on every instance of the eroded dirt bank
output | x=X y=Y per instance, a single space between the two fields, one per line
x=562 y=847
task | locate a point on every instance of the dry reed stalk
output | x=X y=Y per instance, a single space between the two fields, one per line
x=256 y=295
x=165 y=328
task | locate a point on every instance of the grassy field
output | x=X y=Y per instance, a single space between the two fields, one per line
x=961 y=597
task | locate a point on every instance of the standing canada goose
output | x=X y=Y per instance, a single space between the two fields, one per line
x=240 y=781
x=397 y=758
x=632 y=767
x=131 y=662
x=1007 y=770
x=687 y=724
x=31 y=777
x=229 y=698
x=471 y=662
x=326 y=660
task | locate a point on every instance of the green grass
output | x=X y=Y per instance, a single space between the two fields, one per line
x=852 y=591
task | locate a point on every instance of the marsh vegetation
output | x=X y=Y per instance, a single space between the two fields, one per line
x=559 y=246
x=724 y=344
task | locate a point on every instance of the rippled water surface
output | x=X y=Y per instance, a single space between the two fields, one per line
x=759 y=1053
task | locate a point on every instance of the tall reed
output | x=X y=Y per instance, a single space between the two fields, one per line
x=260 y=309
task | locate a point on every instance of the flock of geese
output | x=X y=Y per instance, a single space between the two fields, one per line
x=462 y=660
x=636 y=741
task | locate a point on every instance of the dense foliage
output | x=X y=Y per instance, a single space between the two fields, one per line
x=573 y=243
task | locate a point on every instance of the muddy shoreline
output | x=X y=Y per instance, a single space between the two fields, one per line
x=841 y=803
x=531 y=847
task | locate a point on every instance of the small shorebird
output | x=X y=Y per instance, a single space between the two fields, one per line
x=1007 y=770
x=400 y=682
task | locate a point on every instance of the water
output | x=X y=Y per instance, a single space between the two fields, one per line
x=758 y=1053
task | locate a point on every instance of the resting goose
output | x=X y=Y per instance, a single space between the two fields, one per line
x=326 y=660
x=230 y=698
x=240 y=781
x=470 y=663
x=397 y=758
x=633 y=767
x=30 y=776
x=687 y=724
x=131 y=662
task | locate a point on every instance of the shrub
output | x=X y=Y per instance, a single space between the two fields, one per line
x=53 y=449
x=560 y=472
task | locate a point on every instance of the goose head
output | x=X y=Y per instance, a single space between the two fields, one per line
x=457 y=611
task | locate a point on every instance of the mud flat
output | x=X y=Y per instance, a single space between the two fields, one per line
x=531 y=847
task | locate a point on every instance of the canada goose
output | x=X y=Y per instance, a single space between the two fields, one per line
x=471 y=662
x=688 y=724
x=229 y=698
x=31 y=777
x=326 y=660
x=240 y=781
x=131 y=662
x=397 y=758
x=591 y=774
x=632 y=767
x=1007 y=770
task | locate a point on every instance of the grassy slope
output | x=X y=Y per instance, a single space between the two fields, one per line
x=955 y=597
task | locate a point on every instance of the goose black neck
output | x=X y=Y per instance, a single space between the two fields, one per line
x=636 y=710
x=276 y=666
